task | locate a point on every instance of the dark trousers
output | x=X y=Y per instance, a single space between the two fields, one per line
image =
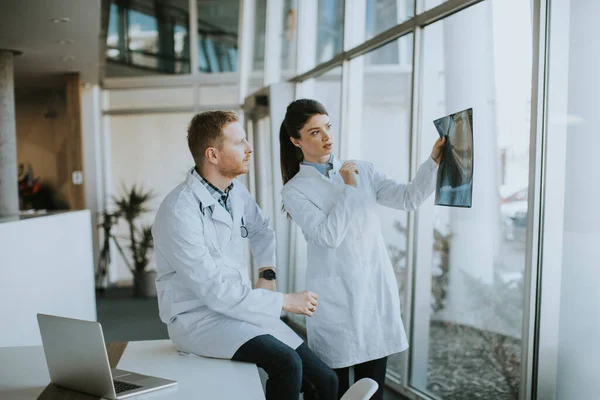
x=289 y=370
x=374 y=369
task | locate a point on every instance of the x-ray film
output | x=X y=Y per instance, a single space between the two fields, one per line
x=455 y=174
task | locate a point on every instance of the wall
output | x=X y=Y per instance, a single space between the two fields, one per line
x=49 y=137
x=47 y=268
x=151 y=152
x=42 y=129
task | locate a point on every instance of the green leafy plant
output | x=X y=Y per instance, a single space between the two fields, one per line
x=132 y=204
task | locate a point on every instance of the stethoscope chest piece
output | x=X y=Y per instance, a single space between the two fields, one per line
x=243 y=229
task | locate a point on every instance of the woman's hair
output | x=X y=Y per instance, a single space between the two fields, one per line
x=296 y=116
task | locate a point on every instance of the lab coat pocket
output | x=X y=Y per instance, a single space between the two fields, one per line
x=333 y=300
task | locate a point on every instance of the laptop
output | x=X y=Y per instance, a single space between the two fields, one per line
x=77 y=360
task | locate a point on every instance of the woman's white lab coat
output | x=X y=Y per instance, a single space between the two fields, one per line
x=358 y=317
x=204 y=290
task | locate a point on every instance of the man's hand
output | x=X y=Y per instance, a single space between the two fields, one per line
x=301 y=303
x=438 y=149
x=262 y=283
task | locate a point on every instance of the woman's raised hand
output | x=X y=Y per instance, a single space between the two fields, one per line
x=348 y=173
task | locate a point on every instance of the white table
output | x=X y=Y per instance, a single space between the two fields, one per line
x=24 y=374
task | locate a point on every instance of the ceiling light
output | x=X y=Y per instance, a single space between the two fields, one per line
x=68 y=58
x=60 y=20
x=66 y=41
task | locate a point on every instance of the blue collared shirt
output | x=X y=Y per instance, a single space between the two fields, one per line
x=322 y=168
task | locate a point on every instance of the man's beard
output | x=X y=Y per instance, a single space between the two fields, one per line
x=233 y=172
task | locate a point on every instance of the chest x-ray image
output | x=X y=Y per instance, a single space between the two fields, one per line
x=455 y=174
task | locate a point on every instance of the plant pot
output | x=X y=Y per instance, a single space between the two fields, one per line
x=144 y=284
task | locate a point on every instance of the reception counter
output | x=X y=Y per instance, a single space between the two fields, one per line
x=47 y=267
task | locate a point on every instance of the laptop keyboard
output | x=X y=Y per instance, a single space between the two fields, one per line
x=121 y=387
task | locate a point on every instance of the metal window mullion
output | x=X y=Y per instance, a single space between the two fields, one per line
x=532 y=253
x=415 y=142
x=194 y=56
x=546 y=221
x=344 y=110
x=193 y=32
x=411 y=225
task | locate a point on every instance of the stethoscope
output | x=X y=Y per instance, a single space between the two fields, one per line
x=243 y=229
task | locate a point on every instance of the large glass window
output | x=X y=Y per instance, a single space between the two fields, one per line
x=330 y=29
x=385 y=141
x=258 y=49
x=424 y=5
x=470 y=261
x=152 y=38
x=218 y=36
x=289 y=38
x=260 y=26
x=384 y=14
x=148 y=38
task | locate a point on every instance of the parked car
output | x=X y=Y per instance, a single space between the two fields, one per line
x=514 y=212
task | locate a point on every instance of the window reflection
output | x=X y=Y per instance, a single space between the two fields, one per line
x=154 y=38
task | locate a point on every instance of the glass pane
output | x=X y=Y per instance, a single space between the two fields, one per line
x=148 y=38
x=260 y=26
x=330 y=29
x=258 y=61
x=424 y=5
x=470 y=340
x=384 y=14
x=289 y=38
x=218 y=35
x=386 y=103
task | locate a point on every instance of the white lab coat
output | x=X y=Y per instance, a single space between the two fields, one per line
x=204 y=290
x=358 y=317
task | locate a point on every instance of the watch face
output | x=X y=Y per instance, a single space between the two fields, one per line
x=268 y=274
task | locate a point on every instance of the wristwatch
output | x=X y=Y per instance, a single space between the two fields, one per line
x=267 y=274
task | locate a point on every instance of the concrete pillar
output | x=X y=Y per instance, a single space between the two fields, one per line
x=9 y=192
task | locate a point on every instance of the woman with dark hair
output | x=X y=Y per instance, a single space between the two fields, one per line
x=358 y=323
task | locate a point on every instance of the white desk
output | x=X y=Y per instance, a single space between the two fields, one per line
x=24 y=375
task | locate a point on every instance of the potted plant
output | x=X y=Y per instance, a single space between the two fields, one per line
x=130 y=206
